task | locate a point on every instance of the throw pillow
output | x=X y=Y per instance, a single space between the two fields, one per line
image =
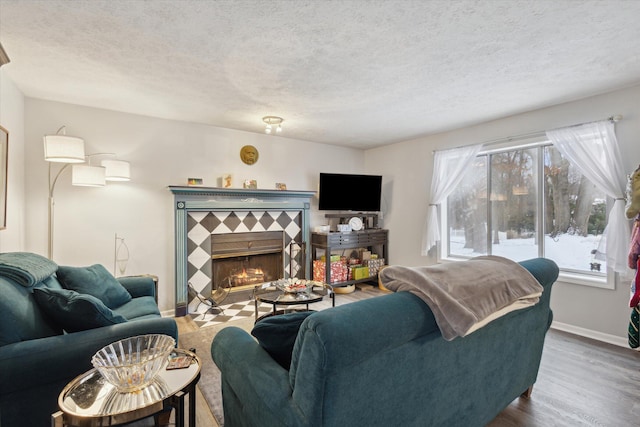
x=94 y=280
x=73 y=311
x=277 y=335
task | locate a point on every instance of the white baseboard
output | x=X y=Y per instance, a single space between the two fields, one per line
x=168 y=313
x=588 y=333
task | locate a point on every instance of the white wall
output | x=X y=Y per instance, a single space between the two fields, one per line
x=407 y=169
x=162 y=153
x=12 y=119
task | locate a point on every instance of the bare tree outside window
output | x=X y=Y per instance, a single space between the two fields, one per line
x=496 y=209
x=467 y=212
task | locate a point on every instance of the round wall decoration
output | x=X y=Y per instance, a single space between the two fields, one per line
x=249 y=154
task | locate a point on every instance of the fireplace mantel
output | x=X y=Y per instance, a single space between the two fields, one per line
x=239 y=192
x=193 y=199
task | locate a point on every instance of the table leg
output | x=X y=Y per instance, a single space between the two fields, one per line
x=192 y=406
x=178 y=404
x=56 y=419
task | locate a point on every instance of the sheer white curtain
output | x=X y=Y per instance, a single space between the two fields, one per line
x=449 y=167
x=593 y=149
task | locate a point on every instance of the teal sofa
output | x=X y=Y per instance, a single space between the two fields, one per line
x=383 y=362
x=38 y=358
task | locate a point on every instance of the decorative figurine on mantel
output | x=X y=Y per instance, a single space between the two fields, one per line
x=250 y=183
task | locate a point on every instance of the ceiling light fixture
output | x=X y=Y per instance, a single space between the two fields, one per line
x=271 y=121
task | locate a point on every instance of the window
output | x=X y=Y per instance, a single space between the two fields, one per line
x=524 y=202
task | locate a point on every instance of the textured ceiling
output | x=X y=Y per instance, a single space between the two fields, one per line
x=354 y=73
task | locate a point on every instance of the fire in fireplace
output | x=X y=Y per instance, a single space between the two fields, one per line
x=248 y=276
x=246 y=259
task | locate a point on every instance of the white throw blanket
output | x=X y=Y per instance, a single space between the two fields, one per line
x=465 y=296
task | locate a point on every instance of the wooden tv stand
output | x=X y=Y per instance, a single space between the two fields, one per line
x=376 y=240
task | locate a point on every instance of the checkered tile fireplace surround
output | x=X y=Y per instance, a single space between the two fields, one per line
x=203 y=211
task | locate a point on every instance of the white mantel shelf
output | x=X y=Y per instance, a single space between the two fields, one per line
x=238 y=192
x=196 y=198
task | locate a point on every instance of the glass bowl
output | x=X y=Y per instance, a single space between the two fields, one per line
x=295 y=286
x=132 y=363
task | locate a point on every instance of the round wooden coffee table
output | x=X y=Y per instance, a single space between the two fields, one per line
x=89 y=400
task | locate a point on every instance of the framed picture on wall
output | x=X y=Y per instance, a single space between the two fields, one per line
x=4 y=162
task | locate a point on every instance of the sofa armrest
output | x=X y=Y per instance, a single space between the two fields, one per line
x=29 y=364
x=253 y=374
x=140 y=286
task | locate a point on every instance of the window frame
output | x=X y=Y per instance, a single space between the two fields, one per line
x=605 y=280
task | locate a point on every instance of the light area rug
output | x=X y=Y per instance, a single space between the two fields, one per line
x=209 y=383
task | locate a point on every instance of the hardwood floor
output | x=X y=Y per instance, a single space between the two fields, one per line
x=581 y=382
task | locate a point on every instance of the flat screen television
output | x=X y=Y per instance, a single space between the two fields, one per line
x=346 y=192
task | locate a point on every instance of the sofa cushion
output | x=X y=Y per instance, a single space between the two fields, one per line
x=94 y=280
x=51 y=282
x=21 y=318
x=138 y=307
x=73 y=311
x=277 y=335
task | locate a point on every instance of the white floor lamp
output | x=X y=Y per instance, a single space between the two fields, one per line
x=60 y=148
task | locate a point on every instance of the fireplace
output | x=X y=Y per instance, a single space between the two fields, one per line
x=204 y=212
x=242 y=260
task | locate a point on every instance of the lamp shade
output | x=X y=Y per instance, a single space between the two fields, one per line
x=63 y=149
x=116 y=170
x=88 y=176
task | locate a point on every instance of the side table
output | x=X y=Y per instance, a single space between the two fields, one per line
x=89 y=400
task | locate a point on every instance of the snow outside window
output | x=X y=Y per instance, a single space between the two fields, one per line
x=526 y=202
